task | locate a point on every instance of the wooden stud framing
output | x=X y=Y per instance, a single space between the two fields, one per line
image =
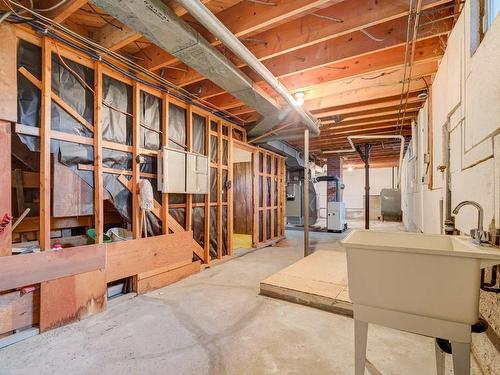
x=219 y=189
x=229 y=194
x=45 y=119
x=189 y=146
x=206 y=226
x=164 y=142
x=136 y=129
x=98 y=143
x=98 y=179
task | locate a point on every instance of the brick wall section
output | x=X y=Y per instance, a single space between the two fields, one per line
x=334 y=168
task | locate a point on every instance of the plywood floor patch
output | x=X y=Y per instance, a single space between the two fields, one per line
x=320 y=281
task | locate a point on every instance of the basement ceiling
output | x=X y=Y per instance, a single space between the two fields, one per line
x=350 y=58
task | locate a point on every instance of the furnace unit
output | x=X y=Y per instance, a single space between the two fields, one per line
x=336 y=217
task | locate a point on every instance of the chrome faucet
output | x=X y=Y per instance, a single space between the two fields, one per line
x=479 y=235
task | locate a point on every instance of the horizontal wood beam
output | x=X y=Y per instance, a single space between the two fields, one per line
x=21 y=270
x=115 y=38
x=368 y=105
x=364 y=94
x=331 y=126
x=242 y=19
x=425 y=50
x=392 y=34
x=312 y=33
x=411 y=107
x=60 y=13
x=384 y=78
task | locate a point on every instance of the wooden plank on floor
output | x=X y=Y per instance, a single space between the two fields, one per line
x=27 y=269
x=129 y=258
x=19 y=310
x=72 y=298
x=319 y=280
x=167 y=278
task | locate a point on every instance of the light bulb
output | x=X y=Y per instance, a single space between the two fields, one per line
x=299 y=98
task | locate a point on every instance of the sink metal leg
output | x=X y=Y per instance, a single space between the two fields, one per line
x=461 y=358
x=360 y=340
x=439 y=359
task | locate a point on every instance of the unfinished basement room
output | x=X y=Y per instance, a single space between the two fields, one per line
x=302 y=187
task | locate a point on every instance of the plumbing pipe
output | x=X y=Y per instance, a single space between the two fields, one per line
x=337 y=184
x=306 y=192
x=203 y=15
x=353 y=148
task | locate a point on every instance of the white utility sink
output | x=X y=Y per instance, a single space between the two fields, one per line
x=422 y=283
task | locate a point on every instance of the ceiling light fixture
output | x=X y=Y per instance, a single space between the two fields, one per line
x=423 y=95
x=299 y=97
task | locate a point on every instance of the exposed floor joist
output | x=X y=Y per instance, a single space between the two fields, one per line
x=347 y=58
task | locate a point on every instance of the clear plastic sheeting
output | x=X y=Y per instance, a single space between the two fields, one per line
x=214 y=148
x=176 y=198
x=261 y=226
x=68 y=87
x=275 y=198
x=179 y=214
x=268 y=191
x=213 y=185
x=154 y=225
x=268 y=224
x=224 y=185
x=116 y=159
x=199 y=134
x=224 y=151
x=150 y=121
x=29 y=56
x=121 y=197
x=213 y=126
x=261 y=192
x=225 y=244
x=176 y=127
x=150 y=164
x=237 y=134
x=198 y=225
x=198 y=198
x=116 y=123
x=276 y=223
x=213 y=232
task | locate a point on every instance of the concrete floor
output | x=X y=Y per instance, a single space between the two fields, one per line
x=215 y=322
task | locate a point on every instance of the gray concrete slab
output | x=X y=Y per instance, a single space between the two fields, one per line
x=216 y=322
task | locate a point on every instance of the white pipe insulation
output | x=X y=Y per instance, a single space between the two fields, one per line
x=351 y=137
x=203 y=15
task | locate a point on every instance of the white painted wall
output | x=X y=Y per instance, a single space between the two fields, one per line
x=466 y=101
x=354 y=181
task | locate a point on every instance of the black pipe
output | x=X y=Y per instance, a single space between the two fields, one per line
x=365 y=157
x=367 y=185
x=337 y=184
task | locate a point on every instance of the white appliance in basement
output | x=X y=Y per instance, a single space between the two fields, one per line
x=335 y=221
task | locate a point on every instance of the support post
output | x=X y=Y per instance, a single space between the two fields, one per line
x=306 y=192
x=365 y=156
x=45 y=123
x=98 y=178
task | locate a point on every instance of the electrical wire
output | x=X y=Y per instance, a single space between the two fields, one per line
x=408 y=30
x=53 y=7
x=412 y=56
x=372 y=37
x=48 y=27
